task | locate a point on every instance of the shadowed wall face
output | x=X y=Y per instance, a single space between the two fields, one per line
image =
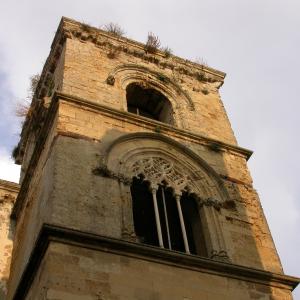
x=118 y=277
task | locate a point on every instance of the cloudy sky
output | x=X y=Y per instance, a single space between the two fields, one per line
x=256 y=42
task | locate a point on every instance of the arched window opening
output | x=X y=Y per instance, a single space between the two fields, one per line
x=163 y=227
x=149 y=103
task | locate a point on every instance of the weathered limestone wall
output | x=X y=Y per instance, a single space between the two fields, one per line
x=87 y=68
x=65 y=191
x=89 y=275
x=8 y=194
x=247 y=235
x=55 y=84
x=80 y=199
x=94 y=124
x=35 y=212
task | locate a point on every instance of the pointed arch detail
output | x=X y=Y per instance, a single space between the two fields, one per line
x=162 y=159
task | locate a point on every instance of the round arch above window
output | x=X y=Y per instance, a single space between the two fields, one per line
x=124 y=75
x=128 y=73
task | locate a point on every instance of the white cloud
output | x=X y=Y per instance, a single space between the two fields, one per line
x=8 y=170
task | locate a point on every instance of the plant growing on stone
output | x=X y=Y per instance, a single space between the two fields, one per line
x=200 y=76
x=157 y=129
x=23 y=108
x=214 y=147
x=152 y=44
x=162 y=78
x=114 y=29
x=201 y=61
x=167 y=52
x=34 y=80
x=15 y=152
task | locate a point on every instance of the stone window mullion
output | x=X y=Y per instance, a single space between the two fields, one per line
x=157 y=218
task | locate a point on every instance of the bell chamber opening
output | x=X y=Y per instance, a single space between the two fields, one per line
x=149 y=103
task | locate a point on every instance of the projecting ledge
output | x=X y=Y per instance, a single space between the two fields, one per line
x=164 y=128
x=51 y=233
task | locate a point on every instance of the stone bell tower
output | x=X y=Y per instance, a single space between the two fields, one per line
x=133 y=185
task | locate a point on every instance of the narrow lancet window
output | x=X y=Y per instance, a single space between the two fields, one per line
x=143 y=212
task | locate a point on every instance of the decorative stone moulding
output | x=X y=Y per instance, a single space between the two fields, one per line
x=211 y=202
x=102 y=170
x=157 y=170
x=70 y=29
x=100 y=38
x=128 y=73
x=155 y=173
x=110 y=80
x=201 y=178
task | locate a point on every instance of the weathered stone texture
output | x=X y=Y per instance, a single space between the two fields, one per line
x=8 y=194
x=248 y=213
x=88 y=274
x=35 y=211
x=89 y=82
x=86 y=127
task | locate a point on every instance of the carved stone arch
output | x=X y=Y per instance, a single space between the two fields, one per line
x=129 y=73
x=145 y=145
x=160 y=158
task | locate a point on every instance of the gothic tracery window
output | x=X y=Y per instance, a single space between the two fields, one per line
x=164 y=216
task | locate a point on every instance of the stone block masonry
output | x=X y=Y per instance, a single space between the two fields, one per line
x=8 y=194
x=107 y=113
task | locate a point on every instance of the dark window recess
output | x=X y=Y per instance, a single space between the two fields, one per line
x=145 y=224
x=149 y=103
x=193 y=225
x=143 y=212
x=171 y=215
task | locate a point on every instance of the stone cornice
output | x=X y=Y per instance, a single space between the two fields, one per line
x=131 y=118
x=9 y=186
x=52 y=233
x=71 y=29
x=154 y=125
x=123 y=40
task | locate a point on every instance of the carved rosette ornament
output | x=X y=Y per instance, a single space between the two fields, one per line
x=158 y=170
